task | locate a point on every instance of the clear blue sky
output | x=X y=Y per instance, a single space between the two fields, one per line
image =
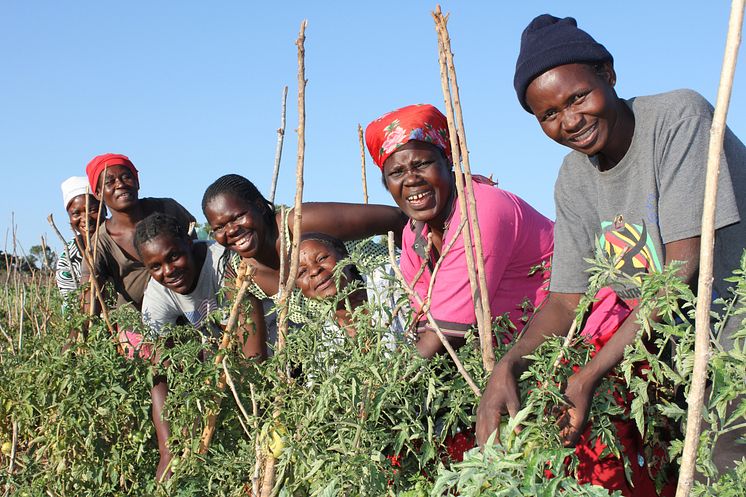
x=191 y=90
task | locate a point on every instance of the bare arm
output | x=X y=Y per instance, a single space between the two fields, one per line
x=581 y=385
x=501 y=394
x=350 y=221
x=252 y=332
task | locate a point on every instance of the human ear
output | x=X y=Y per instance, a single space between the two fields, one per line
x=607 y=74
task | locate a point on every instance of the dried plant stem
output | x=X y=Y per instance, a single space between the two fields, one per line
x=287 y=289
x=232 y=387
x=414 y=295
x=13 y=448
x=439 y=263
x=475 y=265
x=278 y=148
x=362 y=163
x=707 y=243
x=425 y=260
x=98 y=295
x=50 y=220
x=209 y=429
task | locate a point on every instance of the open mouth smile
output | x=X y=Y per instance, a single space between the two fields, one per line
x=420 y=198
x=584 y=138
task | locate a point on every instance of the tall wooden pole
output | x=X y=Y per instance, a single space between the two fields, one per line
x=707 y=244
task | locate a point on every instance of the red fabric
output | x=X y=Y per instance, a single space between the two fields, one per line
x=607 y=314
x=459 y=443
x=421 y=122
x=97 y=165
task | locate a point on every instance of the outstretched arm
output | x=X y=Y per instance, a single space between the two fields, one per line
x=501 y=394
x=350 y=221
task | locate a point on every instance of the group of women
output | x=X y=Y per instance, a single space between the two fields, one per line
x=632 y=185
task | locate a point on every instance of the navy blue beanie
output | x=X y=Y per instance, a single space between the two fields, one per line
x=548 y=42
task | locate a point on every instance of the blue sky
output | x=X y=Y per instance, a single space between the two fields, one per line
x=192 y=90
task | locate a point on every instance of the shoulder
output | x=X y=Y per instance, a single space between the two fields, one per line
x=673 y=105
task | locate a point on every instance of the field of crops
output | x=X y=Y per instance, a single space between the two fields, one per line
x=325 y=418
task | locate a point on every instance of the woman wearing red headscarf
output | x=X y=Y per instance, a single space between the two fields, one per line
x=411 y=145
x=113 y=179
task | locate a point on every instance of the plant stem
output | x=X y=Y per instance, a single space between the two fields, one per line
x=431 y=320
x=278 y=148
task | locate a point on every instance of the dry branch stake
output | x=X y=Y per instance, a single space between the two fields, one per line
x=707 y=244
x=297 y=208
x=430 y=319
x=209 y=430
x=362 y=163
x=268 y=480
x=278 y=149
x=477 y=277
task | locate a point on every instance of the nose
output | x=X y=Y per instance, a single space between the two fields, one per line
x=168 y=269
x=314 y=270
x=571 y=121
x=411 y=176
x=231 y=227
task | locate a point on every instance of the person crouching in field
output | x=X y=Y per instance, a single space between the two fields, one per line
x=76 y=200
x=114 y=180
x=319 y=255
x=412 y=148
x=247 y=224
x=185 y=286
x=633 y=183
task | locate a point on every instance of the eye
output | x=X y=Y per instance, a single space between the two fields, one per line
x=396 y=172
x=579 y=98
x=301 y=271
x=155 y=267
x=548 y=115
x=423 y=164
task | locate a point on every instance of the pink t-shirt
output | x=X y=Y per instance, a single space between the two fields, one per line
x=515 y=238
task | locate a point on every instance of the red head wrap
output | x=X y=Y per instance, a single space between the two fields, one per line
x=97 y=165
x=421 y=122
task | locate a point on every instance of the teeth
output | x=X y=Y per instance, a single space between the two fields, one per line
x=418 y=196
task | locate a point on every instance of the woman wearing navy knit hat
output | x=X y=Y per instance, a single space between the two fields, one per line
x=634 y=184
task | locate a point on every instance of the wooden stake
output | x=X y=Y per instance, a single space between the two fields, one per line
x=477 y=276
x=297 y=214
x=362 y=163
x=209 y=429
x=414 y=295
x=50 y=220
x=278 y=149
x=707 y=244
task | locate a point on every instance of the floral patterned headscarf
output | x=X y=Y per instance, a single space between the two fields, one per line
x=421 y=122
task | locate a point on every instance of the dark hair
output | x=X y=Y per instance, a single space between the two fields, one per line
x=155 y=225
x=334 y=244
x=242 y=188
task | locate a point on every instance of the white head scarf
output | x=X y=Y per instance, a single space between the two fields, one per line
x=72 y=187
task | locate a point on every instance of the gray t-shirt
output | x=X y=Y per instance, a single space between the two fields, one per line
x=653 y=196
x=162 y=306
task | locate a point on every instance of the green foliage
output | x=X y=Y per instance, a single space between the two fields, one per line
x=354 y=416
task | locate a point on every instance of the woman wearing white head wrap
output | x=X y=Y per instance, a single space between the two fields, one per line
x=74 y=192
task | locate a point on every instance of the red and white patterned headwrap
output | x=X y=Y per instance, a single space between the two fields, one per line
x=421 y=122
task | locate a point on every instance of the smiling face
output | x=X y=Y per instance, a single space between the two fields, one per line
x=171 y=262
x=236 y=224
x=419 y=179
x=316 y=270
x=577 y=107
x=118 y=188
x=78 y=219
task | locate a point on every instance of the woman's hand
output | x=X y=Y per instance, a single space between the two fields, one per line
x=499 y=398
x=574 y=416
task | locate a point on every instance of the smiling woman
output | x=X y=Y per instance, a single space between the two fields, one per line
x=411 y=146
x=247 y=224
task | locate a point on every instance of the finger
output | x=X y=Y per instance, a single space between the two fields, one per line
x=486 y=425
x=574 y=428
x=514 y=405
